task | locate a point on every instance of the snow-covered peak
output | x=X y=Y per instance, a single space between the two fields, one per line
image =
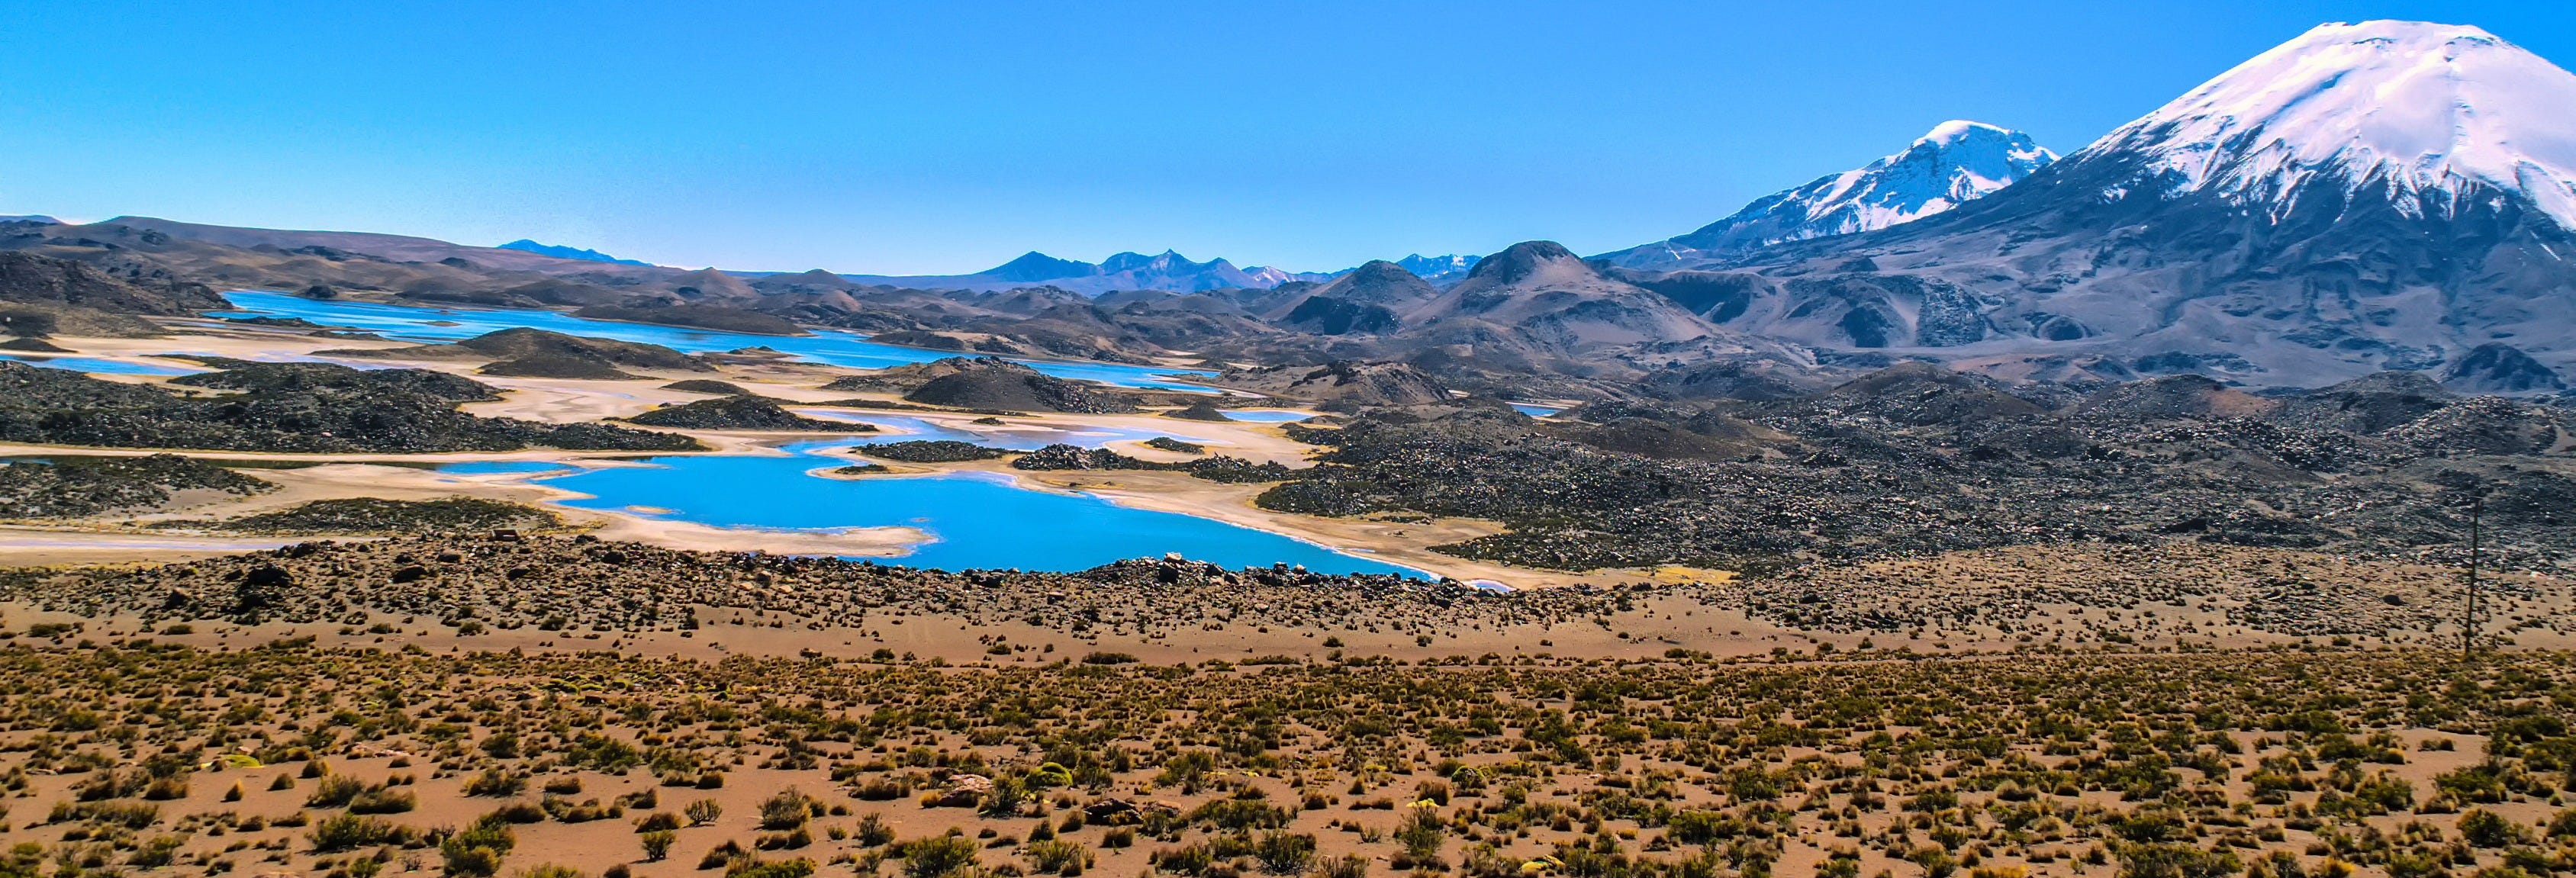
x=1434 y=266
x=1957 y=131
x=1956 y=162
x=2416 y=107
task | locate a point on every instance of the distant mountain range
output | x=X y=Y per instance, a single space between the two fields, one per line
x=560 y=252
x=1167 y=271
x=2386 y=195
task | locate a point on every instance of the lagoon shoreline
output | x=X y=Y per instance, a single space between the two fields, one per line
x=1356 y=545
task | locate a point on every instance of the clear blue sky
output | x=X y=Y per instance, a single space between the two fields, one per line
x=950 y=136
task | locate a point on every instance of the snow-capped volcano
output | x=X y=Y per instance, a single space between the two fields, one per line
x=2383 y=195
x=1958 y=162
x=2413 y=108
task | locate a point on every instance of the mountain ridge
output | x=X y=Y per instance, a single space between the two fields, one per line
x=1958 y=161
x=563 y=252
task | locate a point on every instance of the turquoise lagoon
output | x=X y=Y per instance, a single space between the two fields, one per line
x=102 y=367
x=1266 y=416
x=975 y=519
x=420 y=324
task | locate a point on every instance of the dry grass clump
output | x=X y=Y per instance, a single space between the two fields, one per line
x=2276 y=763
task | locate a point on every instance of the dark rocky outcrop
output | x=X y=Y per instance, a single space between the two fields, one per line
x=1197 y=412
x=1175 y=446
x=370 y=515
x=27 y=278
x=991 y=383
x=64 y=486
x=1063 y=457
x=2496 y=367
x=708 y=386
x=930 y=451
x=1913 y=394
x=742 y=413
x=1343 y=381
x=247 y=375
x=2369 y=405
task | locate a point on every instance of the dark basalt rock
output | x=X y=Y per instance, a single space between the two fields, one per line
x=990 y=383
x=709 y=386
x=28 y=278
x=2496 y=367
x=1065 y=457
x=930 y=451
x=1198 y=412
x=742 y=413
x=369 y=515
x=546 y=350
x=1168 y=443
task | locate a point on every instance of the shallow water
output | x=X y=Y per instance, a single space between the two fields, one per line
x=1536 y=411
x=98 y=366
x=424 y=324
x=1016 y=437
x=976 y=519
x=1266 y=416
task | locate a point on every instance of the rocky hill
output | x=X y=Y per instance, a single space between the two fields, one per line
x=1369 y=300
x=79 y=487
x=1342 y=382
x=742 y=413
x=1541 y=295
x=29 y=279
x=989 y=383
x=538 y=352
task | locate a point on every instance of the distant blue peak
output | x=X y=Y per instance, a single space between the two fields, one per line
x=1035 y=266
x=561 y=252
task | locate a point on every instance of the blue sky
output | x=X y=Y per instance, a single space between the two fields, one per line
x=949 y=137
